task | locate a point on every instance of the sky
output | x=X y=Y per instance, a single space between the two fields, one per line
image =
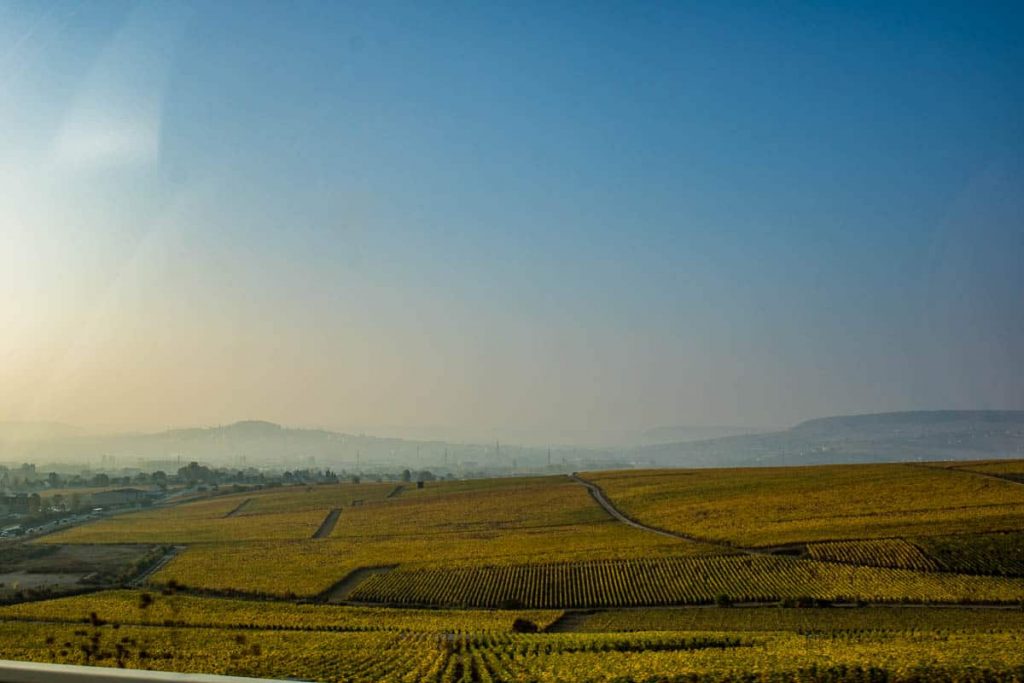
x=554 y=221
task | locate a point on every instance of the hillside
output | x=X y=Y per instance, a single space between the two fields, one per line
x=524 y=578
x=881 y=437
x=260 y=443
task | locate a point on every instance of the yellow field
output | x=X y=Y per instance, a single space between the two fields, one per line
x=516 y=522
x=763 y=507
x=572 y=657
x=126 y=607
x=545 y=542
x=533 y=546
x=1005 y=468
x=267 y=547
x=669 y=581
x=884 y=552
x=887 y=618
x=273 y=514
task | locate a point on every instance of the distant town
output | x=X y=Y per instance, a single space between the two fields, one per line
x=35 y=502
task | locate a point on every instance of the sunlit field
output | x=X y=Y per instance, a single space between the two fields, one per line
x=772 y=506
x=353 y=644
x=779 y=571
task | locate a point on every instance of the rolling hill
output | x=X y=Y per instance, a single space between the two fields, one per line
x=880 y=437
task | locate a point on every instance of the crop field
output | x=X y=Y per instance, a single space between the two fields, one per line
x=426 y=584
x=138 y=607
x=515 y=521
x=1010 y=469
x=611 y=583
x=806 y=621
x=545 y=542
x=885 y=552
x=1001 y=554
x=772 y=506
x=272 y=514
x=843 y=654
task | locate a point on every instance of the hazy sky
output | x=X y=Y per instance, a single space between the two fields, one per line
x=509 y=217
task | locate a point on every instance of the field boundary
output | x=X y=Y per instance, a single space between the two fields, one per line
x=140 y=580
x=328 y=524
x=964 y=467
x=570 y=620
x=598 y=494
x=339 y=592
x=238 y=508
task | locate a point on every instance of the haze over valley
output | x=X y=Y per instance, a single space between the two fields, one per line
x=887 y=437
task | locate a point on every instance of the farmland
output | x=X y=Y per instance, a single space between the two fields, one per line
x=701 y=645
x=496 y=522
x=426 y=583
x=774 y=506
x=610 y=583
x=544 y=542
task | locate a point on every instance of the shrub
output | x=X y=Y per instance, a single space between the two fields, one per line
x=521 y=625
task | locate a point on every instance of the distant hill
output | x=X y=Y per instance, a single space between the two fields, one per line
x=248 y=442
x=259 y=443
x=921 y=435
x=679 y=434
x=881 y=437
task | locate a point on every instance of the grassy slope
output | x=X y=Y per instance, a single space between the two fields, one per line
x=763 y=507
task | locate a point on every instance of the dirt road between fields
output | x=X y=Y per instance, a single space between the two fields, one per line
x=328 y=526
x=598 y=495
x=238 y=508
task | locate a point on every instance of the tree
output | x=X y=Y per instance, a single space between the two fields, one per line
x=101 y=480
x=195 y=473
x=406 y=475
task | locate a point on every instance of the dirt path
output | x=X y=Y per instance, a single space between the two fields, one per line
x=328 y=526
x=141 y=579
x=238 y=508
x=966 y=469
x=598 y=494
x=339 y=592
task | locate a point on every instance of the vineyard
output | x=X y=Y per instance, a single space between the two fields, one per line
x=1000 y=554
x=273 y=514
x=770 y=506
x=444 y=525
x=888 y=552
x=1010 y=469
x=442 y=657
x=471 y=579
x=611 y=583
x=544 y=542
x=146 y=608
x=805 y=621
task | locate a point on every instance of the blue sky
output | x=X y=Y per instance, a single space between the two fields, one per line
x=551 y=219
